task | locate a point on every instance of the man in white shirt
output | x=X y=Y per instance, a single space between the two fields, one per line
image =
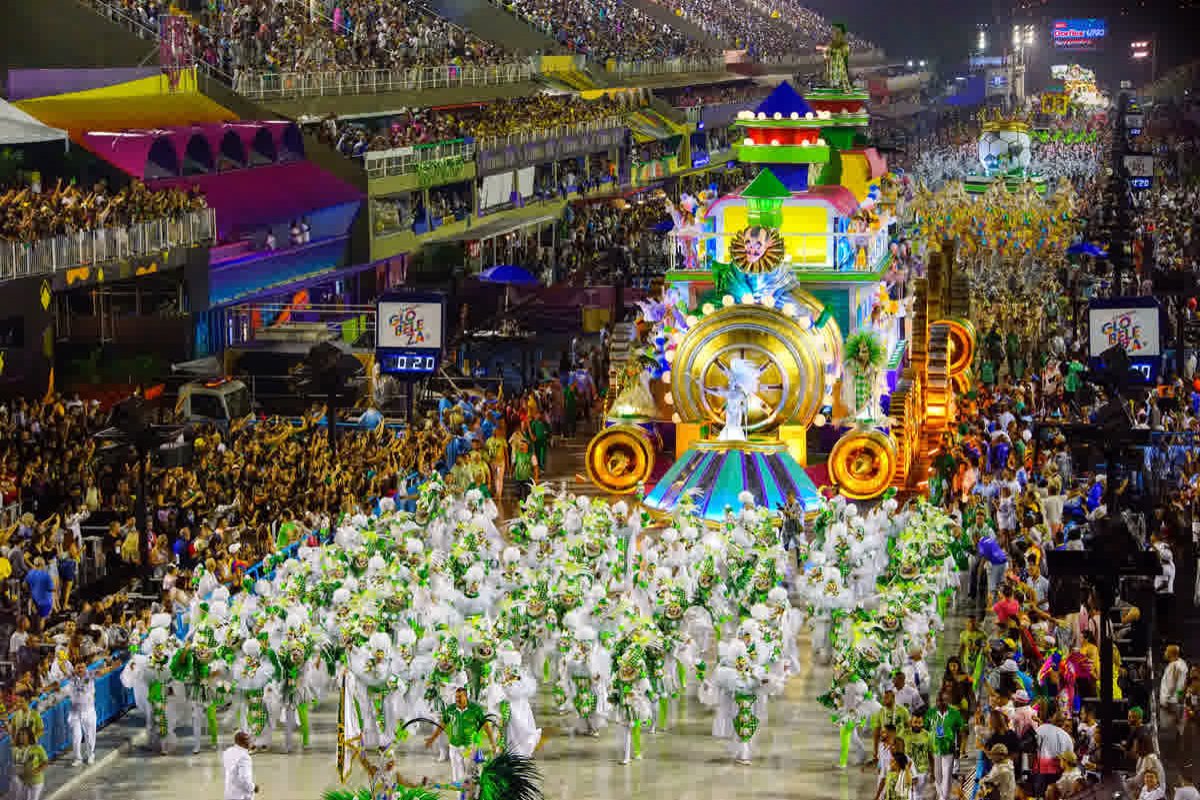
x=916 y=673
x=1174 y=679
x=82 y=717
x=1052 y=741
x=906 y=695
x=239 y=773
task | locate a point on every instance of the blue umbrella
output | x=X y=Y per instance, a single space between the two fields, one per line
x=1087 y=249
x=508 y=274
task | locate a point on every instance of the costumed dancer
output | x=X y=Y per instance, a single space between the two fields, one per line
x=584 y=660
x=252 y=674
x=374 y=690
x=292 y=655
x=631 y=694
x=201 y=665
x=521 y=734
x=863 y=373
x=161 y=699
x=743 y=676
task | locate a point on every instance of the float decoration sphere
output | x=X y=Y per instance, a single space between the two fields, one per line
x=1005 y=149
x=621 y=457
x=863 y=464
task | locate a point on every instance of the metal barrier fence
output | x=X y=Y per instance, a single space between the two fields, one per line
x=405 y=160
x=112 y=700
x=9 y=514
x=103 y=245
x=545 y=134
x=263 y=85
x=670 y=66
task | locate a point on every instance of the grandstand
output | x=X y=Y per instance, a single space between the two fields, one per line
x=270 y=146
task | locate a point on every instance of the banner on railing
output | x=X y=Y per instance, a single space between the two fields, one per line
x=440 y=171
x=500 y=159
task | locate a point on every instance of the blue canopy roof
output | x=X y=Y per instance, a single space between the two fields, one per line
x=507 y=273
x=784 y=100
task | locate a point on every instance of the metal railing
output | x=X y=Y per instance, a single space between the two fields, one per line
x=406 y=160
x=103 y=245
x=278 y=85
x=669 y=66
x=835 y=252
x=543 y=134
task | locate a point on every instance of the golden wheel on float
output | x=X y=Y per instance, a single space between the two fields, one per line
x=863 y=464
x=962 y=344
x=621 y=457
x=790 y=357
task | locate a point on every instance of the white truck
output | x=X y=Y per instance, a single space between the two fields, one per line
x=215 y=400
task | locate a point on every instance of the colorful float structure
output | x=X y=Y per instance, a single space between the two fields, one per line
x=1005 y=152
x=768 y=286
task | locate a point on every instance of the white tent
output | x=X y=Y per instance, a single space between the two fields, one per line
x=17 y=127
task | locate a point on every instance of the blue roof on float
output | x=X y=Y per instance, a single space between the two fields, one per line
x=784 y=100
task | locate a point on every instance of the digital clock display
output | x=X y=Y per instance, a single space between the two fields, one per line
x=396 y=362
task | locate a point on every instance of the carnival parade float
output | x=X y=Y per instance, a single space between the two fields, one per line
x=775 y=321
x=1006 y=153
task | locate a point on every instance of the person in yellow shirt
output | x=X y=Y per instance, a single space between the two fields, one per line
x=496 y=449
x=1091 y=652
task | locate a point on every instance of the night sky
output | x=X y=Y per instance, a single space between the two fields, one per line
x=944 y=30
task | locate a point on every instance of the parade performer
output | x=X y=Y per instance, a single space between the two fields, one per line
x=291 y=652
x=375 y=690
x=863 y=367
x=463 y=723
x=252 y=674
x=521 y=734
x=201 y=665
x=631 y=694
x=743 y=676
x=583 y=674
x=837 y=60
x=160 y=648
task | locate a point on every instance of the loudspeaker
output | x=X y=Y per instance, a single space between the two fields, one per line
x=129 y=417
x=1065 y=596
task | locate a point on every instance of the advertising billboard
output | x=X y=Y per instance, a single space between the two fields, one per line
x=1078 y=34
x=1139 y=166
x=409 y=332
x=1131 y=323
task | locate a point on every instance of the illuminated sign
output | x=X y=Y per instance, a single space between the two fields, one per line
x=1139 y=166
x=393 y=363
x=1078 y=34
x=1131 y=323
x=1132 y=328
x=1140 y=183
x=409 y=331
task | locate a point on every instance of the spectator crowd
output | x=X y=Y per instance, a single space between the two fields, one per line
x=765 y=29
x=501 y=117
x=31 y=212
x=605 y=29
x=277 y=36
